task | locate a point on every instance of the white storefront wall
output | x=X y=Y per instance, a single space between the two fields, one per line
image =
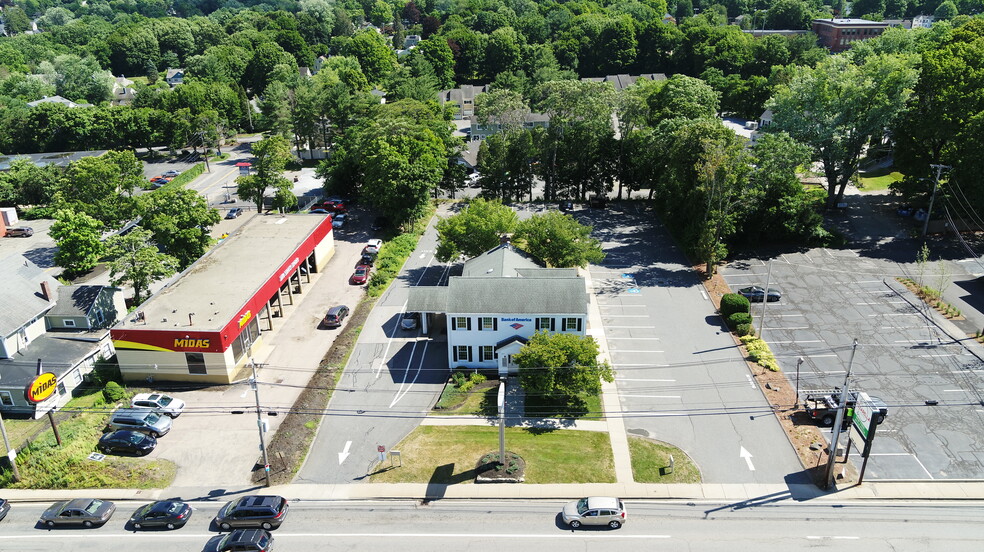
x=466 y=340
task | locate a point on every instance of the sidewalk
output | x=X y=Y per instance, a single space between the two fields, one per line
x=744 y=494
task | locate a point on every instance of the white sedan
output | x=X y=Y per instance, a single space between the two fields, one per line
x=158 y=401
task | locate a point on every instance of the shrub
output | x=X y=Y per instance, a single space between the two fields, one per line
x=732 y=303
x=459 y=378
x=113 y=392
x=741 y=330
x=476 y=378
x=738 y=319
x=759 y=352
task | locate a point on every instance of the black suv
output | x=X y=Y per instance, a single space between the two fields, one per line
x=266 y=511
x=246 y=540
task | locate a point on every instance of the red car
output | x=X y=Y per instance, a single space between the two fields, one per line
x=360 y=276
x=334 y=206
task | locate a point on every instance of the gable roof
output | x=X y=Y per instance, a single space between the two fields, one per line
x=76 y=300
x=20 y=294
x=517 y=296
x=57 y=354
x=502 y=262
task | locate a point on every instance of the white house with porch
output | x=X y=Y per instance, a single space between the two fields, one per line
x=500 y=300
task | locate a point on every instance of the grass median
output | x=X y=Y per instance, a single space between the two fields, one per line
x=448 y=455
x=657 y=462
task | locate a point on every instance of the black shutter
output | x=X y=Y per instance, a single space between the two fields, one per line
x=454 y=324
x=578 y=324
x=469 y=327
x=495 y=324
x=552 y=324
x=480 y=323
x=538 y=323
x=469 y=354
x=454 y=353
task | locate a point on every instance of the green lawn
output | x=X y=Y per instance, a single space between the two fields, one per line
x=879 y=180
x=583 y=406
x=45 y=465
x=448 y=455
x=651 y=463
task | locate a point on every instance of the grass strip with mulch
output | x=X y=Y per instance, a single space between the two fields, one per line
x=651 y=462
x=477 y=401
x=448 y=455
x=45 y=465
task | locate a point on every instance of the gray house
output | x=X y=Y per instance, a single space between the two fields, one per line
x=86 y=308
x=65 y=327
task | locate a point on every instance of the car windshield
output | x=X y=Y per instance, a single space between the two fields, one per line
x=263 y=542
x=137 y=437
x=164 y=400
x=582 y=505
x=94 y=506
x=152 y=418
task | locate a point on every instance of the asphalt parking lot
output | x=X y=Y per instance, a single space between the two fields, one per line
x=679 y=374
x=830 y=297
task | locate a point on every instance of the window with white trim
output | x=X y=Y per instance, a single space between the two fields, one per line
x=68 y=323
x=487 y=323
x=462 y=353
x=461 y=323
x=545 y=323
x=486 y=353
x=572 y=324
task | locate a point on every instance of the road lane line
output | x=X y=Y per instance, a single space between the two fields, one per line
x=420 y=366
x=649 y=396
x=55 y=535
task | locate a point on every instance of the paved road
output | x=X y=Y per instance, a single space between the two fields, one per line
x=831 y=297
x=391 y=380
x=680 y=377
x=777 y=526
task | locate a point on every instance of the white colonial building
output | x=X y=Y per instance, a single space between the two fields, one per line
x=500 y=300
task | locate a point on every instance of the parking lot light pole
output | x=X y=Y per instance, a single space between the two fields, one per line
x=259 y=423
x=799 y=362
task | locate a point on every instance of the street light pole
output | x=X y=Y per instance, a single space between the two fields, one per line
x=799 y=362
x=259 y=423
x=839 y=421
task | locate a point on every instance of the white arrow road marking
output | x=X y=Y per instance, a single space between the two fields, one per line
x=748 y=458
x=345 y=452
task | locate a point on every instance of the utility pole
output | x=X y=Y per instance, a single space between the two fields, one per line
x=839 y=421
x=260 y=424
x=799 y=362
x=932 y=198
x=765 y=299
x=11 y=453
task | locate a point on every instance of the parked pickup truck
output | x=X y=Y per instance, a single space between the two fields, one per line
x=822 y=405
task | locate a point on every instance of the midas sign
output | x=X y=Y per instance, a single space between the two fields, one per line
x=41 y=388
x=191 y=343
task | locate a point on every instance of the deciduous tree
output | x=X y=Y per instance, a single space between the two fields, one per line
x=559 y=240
x=78 y=238
x=136 y=260
x=561 y=365
x=474 y=230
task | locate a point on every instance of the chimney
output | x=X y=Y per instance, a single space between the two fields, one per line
x=46 y=291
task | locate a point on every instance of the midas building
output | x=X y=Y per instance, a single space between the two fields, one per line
x=205 y=325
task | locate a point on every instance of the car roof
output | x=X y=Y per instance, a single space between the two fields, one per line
x=78 y=503
x=602 y=502
x=246 y=535
x=336 y=309
x=147 y=396
x=259 y=500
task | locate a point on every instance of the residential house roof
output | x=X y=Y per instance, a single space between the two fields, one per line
x=57 y=99
x=623 y=81
x=76 y=300
x=500 y=262
x=20 y=294
x=58 y=354
x=461 y=94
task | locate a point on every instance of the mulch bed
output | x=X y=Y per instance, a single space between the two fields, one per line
x=489 y=470
x=781 y=394
x=293 y=438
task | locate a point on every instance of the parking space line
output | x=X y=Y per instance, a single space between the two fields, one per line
x=623 y=305
x=792 y=341
x=645 y=379
x=644 y=364
x=633 y=338
x=617 y=350
x=650 y=396
x=782 y=315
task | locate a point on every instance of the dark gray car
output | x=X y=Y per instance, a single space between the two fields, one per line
x=85 y=512
x=265 y=511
